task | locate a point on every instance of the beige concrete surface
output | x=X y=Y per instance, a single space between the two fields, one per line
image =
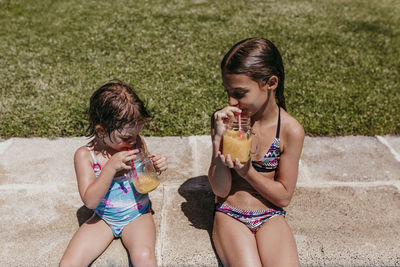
x=345 y=211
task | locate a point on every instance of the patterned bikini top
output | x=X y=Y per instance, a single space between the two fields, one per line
x=270 y=161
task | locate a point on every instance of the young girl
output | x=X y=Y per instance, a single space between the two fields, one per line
x=116 y=116
x=249 y=224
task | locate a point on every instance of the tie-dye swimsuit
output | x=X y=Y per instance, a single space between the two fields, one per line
x=122 y=203
x=255 y=219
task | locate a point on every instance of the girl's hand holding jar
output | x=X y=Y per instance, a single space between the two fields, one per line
x=237 y=139
x=159 y=162
x=223 y=116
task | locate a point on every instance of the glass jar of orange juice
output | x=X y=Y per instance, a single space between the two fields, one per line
x=146 y=177
x=237 y=139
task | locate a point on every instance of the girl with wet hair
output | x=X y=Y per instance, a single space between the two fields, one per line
x=249 y=223
x=104 y=170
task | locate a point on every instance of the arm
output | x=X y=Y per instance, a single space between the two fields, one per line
x=93 y=190
x=280 y=191
x=219 y=175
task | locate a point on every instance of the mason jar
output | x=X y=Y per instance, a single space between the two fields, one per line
x=146 y=178
x=237 y=139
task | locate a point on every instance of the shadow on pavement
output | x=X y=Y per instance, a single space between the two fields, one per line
x=199 y=205
x=83 y=214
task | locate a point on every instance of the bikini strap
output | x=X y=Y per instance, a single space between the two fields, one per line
x=278 y=129
x=95 y=163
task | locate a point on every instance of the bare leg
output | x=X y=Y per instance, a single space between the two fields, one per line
x=139 y=237
x=276 y=243
x=234 y=242
x=91 y=239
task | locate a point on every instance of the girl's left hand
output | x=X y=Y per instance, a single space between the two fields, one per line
x=159 y=162
x=240 y=168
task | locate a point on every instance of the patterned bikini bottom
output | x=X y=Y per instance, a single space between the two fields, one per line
x=252 y=219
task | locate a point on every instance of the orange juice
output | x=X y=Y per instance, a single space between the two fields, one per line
x=146 y=183
x=146 y=179
x=237 y=146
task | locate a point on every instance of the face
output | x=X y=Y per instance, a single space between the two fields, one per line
x=244 y=93
x=122 y=140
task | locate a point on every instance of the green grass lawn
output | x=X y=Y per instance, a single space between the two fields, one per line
x=342 y=61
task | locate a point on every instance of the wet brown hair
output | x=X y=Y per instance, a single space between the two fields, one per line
x=259 y=59
x=115 y=105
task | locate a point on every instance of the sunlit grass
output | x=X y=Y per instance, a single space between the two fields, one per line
x=341 y=59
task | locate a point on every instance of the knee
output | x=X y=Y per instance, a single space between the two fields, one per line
x=67 y=262
x=71 y=262
x=142 y=256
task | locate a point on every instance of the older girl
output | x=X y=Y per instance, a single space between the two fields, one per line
x=249 y=224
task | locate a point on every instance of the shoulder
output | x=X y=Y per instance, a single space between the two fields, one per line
x=291 y=130
x=82 y=153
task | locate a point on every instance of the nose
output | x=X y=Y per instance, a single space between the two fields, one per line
x=232 y=101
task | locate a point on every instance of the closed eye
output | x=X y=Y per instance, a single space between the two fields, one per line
x=237 y=94
x=127 y=139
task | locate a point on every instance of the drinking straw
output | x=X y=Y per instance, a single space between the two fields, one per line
x=240 y=126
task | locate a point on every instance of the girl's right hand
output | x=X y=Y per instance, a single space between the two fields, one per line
x=222 y=116
x=121 y=160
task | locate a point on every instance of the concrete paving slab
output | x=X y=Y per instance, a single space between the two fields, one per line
x=337 y=220
x=46 y=161
x=35 y=227
x=37 y=189
x=346 y=226
x=179 y=153
x=392 y=143
x=202 y=153
x=39 y=194
x=348 y=159
x=189 y=218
